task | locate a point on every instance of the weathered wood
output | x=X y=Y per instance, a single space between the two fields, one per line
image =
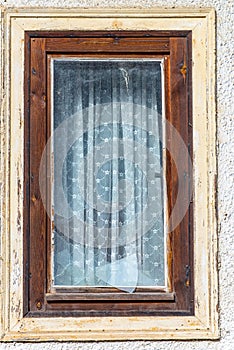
x=116 y=44
x=176 y=92
x=204 y=325
x=26 y=216
x=110 y=296
x=36 y=144
x=179 y=174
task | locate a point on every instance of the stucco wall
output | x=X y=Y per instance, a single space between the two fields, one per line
x=225 y=122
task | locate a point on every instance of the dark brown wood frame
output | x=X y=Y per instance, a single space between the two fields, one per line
x=39 y=300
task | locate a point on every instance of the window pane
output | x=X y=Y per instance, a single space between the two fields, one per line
x=108 y=173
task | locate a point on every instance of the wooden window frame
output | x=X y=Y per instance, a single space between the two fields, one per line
x=198 y=320
x=175 y=49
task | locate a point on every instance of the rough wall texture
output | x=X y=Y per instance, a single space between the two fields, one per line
x=225 y=136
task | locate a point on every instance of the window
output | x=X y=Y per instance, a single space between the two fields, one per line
x=105 y=112
x=114 y=192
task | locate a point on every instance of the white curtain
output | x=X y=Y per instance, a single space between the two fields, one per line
x=108 y=173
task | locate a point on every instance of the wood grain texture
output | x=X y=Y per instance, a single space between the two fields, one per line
x=37 y=266
x=116 y=44
x=85 y=302
x=204 y=324
x=110 y=296
x=179 y=118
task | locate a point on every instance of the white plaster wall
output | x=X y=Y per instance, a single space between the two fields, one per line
x=225 y=136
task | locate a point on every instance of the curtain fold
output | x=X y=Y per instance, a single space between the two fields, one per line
x=108 y=193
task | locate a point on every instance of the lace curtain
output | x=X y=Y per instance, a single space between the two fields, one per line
x=108 y=226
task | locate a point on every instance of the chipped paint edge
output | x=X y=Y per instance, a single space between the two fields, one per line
x=204 y=325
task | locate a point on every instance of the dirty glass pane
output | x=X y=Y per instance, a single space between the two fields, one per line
x=108 y=226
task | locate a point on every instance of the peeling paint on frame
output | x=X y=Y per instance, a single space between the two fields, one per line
x=204 y=325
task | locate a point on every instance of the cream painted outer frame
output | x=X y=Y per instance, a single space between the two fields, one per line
x=204 y=324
